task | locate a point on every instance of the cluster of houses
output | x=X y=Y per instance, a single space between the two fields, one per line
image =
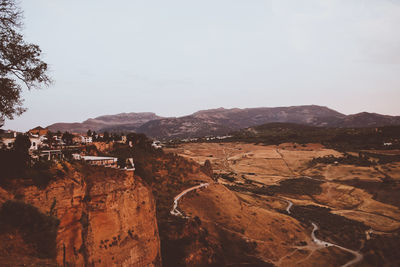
x=39 y=138
x=43 y=148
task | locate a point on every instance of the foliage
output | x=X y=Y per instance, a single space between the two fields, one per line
x=22 y=143
x=15 y=162
x=343 y=139
x=296 y=186
x=361 y=160
x=339 y=229
x=382 y=158
x=106 y=137
x=40 y=173
x=227 y=177
x=121 y=162
x=49 y=141
x=19 y=62
x=68 y=138
x=139 y=140
x=36 y=228
x=387 y=245
x=385 y=191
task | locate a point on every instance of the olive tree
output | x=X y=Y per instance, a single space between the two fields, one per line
x=20 y=62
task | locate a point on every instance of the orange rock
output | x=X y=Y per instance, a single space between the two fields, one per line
x=107 y=217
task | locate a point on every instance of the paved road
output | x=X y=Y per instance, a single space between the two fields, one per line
x=321 y=244
x=289 y=206
x=174 y=210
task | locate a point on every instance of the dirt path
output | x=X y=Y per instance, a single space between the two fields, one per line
x=287 y=165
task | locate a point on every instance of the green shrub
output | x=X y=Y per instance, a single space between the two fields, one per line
x=41 y=174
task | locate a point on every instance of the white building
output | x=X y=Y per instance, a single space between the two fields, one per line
x=36 y=143
x=51 y=154
x=8 y=142
x=98 y=161
x=86 y=139
x=7 y=139
x=156 y=144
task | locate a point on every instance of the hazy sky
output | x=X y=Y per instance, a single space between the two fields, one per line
x=176 y=57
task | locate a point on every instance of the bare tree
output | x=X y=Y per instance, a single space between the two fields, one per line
x=20 y=62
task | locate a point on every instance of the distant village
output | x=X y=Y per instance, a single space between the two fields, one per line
x=48 y=146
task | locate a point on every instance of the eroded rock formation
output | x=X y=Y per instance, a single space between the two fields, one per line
x=107 y=217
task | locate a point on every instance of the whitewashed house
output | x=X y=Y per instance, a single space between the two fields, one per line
x=100 y=161
x=86 y=139
x=7 y=142
x=51 y=154
x=156 y=144
x=36 y=143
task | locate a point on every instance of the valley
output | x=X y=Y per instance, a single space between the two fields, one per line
x=199 y=133
x=208 y=203
x=296 y=213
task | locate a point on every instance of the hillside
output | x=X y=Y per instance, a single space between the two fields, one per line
x=339 y=138
x=106 y=122
x=295 y=213
x=222 y=121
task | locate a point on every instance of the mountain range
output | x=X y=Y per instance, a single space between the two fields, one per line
x=223 y=121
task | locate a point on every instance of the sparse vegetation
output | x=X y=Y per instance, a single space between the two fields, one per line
x=36 y=228
x=229 y=177
x=41 y=174
x=14 y=162
x=361 y=160
x=167 y=175
x=343 y=139
x=334 y=228
x=387 y=191
x=387 y=245
x=299 y=186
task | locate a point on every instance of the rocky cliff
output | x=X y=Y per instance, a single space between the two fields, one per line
x=107 y=217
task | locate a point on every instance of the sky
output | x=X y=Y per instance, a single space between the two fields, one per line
x=176 y=57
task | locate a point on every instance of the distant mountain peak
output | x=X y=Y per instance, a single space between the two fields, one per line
x=107 y=122
x=220 y=121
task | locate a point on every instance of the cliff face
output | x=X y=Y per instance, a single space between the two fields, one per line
x=107 y=218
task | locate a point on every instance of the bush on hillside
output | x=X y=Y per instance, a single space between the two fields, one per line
x=36 y=228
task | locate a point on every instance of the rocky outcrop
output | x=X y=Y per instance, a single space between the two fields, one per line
x=107 y=217
x=207 y=169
